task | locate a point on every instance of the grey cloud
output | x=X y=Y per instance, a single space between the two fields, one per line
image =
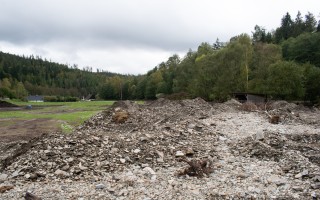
x=156 y=26
x=104 y=27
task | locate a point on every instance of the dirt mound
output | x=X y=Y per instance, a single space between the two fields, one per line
x=134 y=151
x=120 y=116
x=231 y=105
x=196 y=103
x=154 y=134
x=5 y=104
x=264 y=146
x=233 y=102
x=178 y=96
x=125 y=105
x=248 y=106
x=161 y=102
x=293 y=152
x=305 y=138
x=283 y=105
x=279 y=111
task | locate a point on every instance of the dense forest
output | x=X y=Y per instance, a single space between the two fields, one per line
x=21 y=76
x=283 y=63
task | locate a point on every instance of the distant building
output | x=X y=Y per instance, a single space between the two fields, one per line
x=250 y=97
x=35 y=98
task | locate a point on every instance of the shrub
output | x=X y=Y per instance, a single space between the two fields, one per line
x=60 y=99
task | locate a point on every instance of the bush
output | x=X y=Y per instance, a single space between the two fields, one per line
x=71 y=99
x=60 y=99
x=4 y=92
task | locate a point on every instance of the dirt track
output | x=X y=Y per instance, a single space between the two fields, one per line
x=141 y=157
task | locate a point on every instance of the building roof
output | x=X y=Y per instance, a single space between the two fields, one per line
x=35 y=98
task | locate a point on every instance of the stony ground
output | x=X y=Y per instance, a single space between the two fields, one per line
x=136 y=151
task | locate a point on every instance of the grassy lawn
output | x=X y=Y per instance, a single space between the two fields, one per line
x=70 y=114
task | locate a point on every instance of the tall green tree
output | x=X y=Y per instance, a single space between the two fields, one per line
x=285 y=80
x=298 y=25
x=312 y=85
x=20 y=91
x=259 y=34
x=285 y=30
x=310 y=23
x=106 y=91
x=305 y=48
x=218 y=45
x=154 y=85
x=263 y=56
x=204 y=78
x=230 y=68
x=117 y=83
x=6 y=89
x=185 y=72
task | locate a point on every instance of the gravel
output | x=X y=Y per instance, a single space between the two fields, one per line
x=139 y=157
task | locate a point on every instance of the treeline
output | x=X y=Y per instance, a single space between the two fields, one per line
x=284 y=63
x=20 y=75
x=290 y=28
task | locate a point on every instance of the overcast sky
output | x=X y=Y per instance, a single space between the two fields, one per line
x=131 y=36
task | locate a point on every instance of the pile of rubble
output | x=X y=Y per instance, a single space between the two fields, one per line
x=165 y=149
x=150 y=135
x=280 y=148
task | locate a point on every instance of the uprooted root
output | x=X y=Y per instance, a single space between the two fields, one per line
x=196 y=167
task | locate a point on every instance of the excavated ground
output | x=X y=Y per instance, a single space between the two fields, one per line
x=133 y=151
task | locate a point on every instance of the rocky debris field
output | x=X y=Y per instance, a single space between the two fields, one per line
x=188 y=149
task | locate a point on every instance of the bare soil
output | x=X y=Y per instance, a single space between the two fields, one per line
x=16 y=129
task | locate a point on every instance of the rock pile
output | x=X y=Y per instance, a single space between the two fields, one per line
x=280 y=148
x=186 y=149
x=150 y=135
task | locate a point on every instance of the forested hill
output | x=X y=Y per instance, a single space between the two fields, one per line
x=284 y=63
x=20 y=75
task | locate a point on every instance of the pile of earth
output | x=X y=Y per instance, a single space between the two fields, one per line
x=294 y=153
x=155 y=135
x=133 y=151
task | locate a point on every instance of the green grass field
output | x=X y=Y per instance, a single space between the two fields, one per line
x=70 y=114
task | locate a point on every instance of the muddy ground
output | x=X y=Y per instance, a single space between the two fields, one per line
x=187 y=149
x=12 y=130
x=15 y=133
x=16 y=129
